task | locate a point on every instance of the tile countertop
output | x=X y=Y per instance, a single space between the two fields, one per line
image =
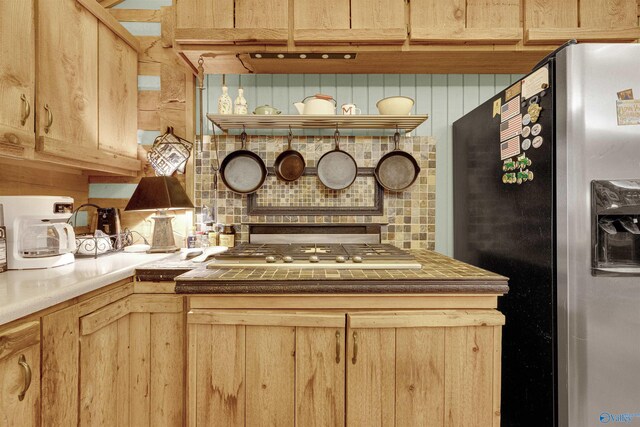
x=23 y=292
x=439 y=274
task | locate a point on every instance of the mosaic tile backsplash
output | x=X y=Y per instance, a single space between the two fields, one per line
x=409 y=216
x=309 y=191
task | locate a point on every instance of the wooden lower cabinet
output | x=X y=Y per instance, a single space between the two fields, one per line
x=131 y=363
x=409 y=368
x=104 y=367
x=114 y=362
x=259 y=368
x=20 y=375
x=424 y=368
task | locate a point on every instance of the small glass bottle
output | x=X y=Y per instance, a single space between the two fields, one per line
x=228 y=236
x=203 y=240
x=192 y=239
x=213 y=238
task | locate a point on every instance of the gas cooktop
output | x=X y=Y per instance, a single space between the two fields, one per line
x=318 y=255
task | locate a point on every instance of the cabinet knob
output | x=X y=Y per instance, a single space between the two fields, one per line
x=26 y=109
x=22 y=361
x=49 y=118
x=354 y=359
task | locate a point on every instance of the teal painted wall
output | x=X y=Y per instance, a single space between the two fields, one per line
x=445 y=97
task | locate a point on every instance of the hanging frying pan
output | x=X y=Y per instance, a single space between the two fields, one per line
x=337 y=169
x=243 y=171
x=290 y=164
x=397 y=170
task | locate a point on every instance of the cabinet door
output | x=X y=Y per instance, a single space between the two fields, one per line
x=67 y=73
x=104 y=366
x=349 y=22
x=20 y=375
x=554 y=22
x=17 y=78
x=427 y=368
x=229 y=22
x=460 y=21
x=60 y=368
x=204 y=13
x=117 y=94
x=156 y=360
x=320 y=375
x=132 y=363
x=275 y=368
x=371 y=377
x=17 y=69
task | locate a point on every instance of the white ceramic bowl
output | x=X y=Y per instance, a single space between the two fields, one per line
x=395 y=105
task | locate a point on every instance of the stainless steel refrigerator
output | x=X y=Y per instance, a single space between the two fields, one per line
x=547 y=192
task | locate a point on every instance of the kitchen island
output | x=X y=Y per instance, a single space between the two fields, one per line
x=321 y=346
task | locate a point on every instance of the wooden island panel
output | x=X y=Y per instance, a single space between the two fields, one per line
x=320 y=362
x=270 y=375
x=216 y=375
x=426 y=365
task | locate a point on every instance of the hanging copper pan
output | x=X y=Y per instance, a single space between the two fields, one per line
x=289 y=164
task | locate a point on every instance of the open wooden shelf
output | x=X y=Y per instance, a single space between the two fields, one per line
x=300 y=121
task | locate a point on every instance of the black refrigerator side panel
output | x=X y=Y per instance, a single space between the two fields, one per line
x=508 y=228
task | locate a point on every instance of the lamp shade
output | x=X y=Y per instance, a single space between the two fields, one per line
x=159 y=193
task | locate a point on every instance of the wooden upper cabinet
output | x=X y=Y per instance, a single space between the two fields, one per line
x=229 y=22
x=117 y=97
x=67 y=76
x=204 y=13
x=471 y=21
x=17 y=77
x=74 y=99
x=550 y=21
x=20 y=375
x=349 y=21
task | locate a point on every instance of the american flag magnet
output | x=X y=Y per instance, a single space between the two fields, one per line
x=510 y=148
x=510 y=109
x=511 y=128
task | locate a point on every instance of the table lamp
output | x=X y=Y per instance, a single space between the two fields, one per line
x=161 y=194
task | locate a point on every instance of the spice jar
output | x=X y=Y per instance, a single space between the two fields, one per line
x=227 y=236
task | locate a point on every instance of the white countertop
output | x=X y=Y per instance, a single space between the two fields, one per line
x=23 y=292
